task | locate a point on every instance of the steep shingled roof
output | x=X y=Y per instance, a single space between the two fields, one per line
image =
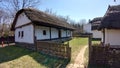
x=111 y=19
x=40 y=18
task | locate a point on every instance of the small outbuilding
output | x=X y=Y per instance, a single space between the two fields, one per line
x=95 y=23
x=92 y=27
x=87 y=28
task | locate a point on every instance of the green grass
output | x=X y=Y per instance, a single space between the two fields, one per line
x=76 y=44
x=16 y=57
x=95 y=42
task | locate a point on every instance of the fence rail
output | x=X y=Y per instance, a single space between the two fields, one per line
x=54 y=49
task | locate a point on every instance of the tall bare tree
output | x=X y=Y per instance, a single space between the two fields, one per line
x=12 y=6
x=3 y=16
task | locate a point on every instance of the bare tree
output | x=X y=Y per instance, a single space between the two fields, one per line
x=51 y=12
x=3 y=16
x=12 y=6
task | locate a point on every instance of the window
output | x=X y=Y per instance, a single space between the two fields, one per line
x=19 y=34
x=22 y=33
x=44 y=32
x=68 y=32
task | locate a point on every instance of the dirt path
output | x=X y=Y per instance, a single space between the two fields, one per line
x=79 y=61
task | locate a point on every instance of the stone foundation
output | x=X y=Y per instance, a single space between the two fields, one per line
x=26 y=45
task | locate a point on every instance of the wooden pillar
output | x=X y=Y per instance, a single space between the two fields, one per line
x=50 y=32
x=59 y=33
x=66 y=32
x=34 y=37
x=103 y=36
x=35 y=43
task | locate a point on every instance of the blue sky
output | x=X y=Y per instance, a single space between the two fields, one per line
x=78 y=9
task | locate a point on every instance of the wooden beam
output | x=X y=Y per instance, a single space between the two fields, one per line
x=34 y=37
x=50 y=32
x=59 y=33
x=66 y=33
x=23 y=25
x=103 y=36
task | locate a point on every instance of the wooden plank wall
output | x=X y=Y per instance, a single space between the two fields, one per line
x=54 y=49
x=105 y=55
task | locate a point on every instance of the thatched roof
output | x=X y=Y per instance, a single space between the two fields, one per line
x=40 y=18
x=111 y=19
x=95 y=23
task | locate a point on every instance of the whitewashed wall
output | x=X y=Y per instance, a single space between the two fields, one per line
x=28 y=34
x=39 y=32
x=87 y=28
x=112 y=36
x=97 y=34
x=54 y=33
x=63 y=33
x=22 y=19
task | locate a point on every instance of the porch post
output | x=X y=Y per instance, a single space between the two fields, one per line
x=103 y=36
x=34 y=37
x=59 y=33
x=66 y=32
x=50 y=32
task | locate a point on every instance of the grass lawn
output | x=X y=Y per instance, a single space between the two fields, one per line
x=76 y=44
x=95 y=42
x=16 y=57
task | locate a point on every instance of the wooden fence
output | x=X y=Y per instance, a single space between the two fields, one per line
x=104 y=55
x=54 y=49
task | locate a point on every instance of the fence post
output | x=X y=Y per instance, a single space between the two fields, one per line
x=68 y=43
x=69 y=53
x=90 y=46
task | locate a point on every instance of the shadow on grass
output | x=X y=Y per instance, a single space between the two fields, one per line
x=10 y=53
x=50 y=62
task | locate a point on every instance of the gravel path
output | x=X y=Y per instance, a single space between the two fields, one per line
x=79 y=61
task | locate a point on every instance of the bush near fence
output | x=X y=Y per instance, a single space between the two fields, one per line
x=104 y=55
x=10 y=39
x=54 y=49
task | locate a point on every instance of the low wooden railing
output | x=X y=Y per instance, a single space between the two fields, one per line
x=54 y=49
